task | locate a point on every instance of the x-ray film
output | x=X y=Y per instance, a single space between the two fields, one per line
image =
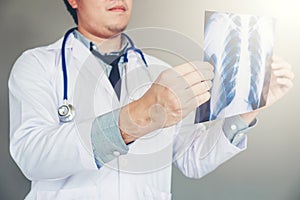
x=240 y=48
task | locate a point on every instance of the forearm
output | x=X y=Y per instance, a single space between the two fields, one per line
x=206 y=150
x=37 y=150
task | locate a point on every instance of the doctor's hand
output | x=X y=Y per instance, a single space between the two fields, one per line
x=281 y=81
x=175 y=93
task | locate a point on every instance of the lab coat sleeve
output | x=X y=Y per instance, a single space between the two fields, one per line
x=42 y=147
x=198 y=150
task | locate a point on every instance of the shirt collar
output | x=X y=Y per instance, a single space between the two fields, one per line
x=86 y=42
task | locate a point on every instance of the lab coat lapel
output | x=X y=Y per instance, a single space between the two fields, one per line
x=84 y=56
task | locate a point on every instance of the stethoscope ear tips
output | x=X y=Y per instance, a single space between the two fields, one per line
x=66 y=113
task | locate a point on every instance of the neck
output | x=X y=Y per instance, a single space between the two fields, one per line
x=105 y=45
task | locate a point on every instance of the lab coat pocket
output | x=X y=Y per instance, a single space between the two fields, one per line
x=152 y=193
x=86 y=193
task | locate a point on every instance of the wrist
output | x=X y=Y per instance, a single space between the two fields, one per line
x=135 y=120
x=249 y=117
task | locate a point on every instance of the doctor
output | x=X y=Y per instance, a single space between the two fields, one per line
x=115 y=144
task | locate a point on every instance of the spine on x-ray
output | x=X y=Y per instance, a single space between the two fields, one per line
x=255 y=53
x=229 y=67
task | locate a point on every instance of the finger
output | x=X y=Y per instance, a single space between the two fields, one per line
x=193 y=66
x=276 y=58
x=207 y=74
x=284 y=82
x=201 y=99
x=185 y=68
x=282 y=64
x=198 y=76
x=194 y=91
x=285 y=73
x=201 y=87
x=199 y=65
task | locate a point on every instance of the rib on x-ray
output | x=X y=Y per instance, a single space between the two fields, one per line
x=240 y=48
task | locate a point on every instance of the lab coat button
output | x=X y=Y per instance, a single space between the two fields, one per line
x=116 y=153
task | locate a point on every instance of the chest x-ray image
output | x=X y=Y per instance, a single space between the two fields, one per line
x=240 y=48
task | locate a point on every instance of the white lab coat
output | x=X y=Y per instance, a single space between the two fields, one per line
x=58 y=158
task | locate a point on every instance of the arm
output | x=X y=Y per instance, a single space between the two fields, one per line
x=198 y=150
x=41 y=146
x=158 y=108
x=209 y=148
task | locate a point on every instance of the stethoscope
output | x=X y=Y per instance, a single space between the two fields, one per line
x=66 y=112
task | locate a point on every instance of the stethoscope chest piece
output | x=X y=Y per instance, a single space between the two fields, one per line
x=66 y=113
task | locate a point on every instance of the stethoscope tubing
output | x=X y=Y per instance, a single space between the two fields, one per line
x=69 y=116
x=64 y=64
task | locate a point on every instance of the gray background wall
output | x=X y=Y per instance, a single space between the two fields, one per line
x=268 y=170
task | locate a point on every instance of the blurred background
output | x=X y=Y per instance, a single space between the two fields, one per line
x=268 y=170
